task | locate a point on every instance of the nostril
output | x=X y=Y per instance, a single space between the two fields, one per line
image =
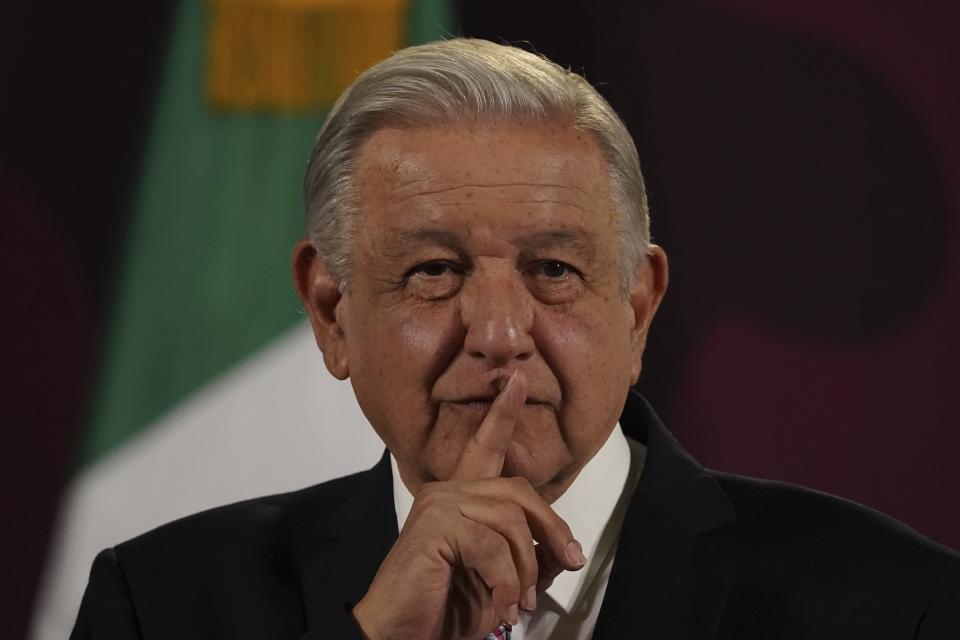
x=524 y=356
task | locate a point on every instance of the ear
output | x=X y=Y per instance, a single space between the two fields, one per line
x=649 y=284
x=322 y=302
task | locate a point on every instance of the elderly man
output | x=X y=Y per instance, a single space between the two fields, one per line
x=479 y=265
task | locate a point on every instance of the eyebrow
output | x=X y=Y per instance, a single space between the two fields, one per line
x=408 y=241
x=574 y=238
x=419 y=237
x=571 y=237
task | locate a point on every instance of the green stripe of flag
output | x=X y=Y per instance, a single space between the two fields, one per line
x=204 y=279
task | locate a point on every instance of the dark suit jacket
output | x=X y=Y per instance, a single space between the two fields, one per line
x=701 y=555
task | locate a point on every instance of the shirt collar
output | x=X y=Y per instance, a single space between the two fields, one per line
x=587 y=505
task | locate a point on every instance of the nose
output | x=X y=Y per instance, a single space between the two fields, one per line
x=497 y=312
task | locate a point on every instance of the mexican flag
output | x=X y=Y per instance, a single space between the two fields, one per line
x=211 y=388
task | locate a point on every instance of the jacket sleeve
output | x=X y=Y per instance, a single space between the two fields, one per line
x=106 y=611
x=941 y=620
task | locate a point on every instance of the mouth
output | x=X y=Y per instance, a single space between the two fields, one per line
x=483 y=403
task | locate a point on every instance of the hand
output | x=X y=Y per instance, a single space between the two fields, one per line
x=466 y=559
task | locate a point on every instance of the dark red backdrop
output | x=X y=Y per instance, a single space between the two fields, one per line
x=804 y=167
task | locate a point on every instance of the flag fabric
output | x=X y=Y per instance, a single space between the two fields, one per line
x=211 y=389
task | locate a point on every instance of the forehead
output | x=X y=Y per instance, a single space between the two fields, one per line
x=496 y=178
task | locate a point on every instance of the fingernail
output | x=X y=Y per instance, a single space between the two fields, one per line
x=575 y=554
x=529 y=600
x=513 y=614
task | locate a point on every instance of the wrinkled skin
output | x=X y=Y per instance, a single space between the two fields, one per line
x=481 y=252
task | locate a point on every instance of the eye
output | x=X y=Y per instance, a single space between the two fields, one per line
x=553 y=269
x=434 y=280
x=554 y=281
x=434 y=269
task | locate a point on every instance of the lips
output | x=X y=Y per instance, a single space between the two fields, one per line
x=481 y=389
x=475 y=404
x=484 y=402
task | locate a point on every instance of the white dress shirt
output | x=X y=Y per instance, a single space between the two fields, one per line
x=593 y=506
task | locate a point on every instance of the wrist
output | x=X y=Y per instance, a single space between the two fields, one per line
x=364 y=621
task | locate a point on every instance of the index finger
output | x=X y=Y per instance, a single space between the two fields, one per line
x=483 y=456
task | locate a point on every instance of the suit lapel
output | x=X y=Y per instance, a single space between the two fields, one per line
x=340 y=555
x=668 y=580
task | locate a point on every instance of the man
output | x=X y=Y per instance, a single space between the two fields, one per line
x=479 y=265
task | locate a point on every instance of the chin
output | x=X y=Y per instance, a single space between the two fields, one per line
x=543 y=466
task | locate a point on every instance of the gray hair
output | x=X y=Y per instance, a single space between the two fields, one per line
x=449 y=82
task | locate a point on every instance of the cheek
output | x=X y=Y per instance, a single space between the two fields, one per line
x=590 y=354
x=585 y=350
x=395 y=358
x=400 y=347
x=425 y=342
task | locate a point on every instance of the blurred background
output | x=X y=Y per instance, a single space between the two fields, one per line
x=803 y=163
